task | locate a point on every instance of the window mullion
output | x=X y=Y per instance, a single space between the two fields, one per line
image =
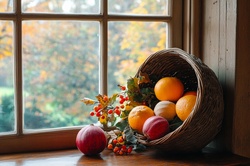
x=116 y=17
x=18 y=68
x=49 y=16
x=104 y=48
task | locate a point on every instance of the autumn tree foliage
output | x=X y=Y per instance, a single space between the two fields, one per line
x=60 y=59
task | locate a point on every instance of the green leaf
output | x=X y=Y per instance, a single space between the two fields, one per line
x=121 y=124
x=132 y=86
x=129 y=133
x=147 y=91
x=132 y=83
x=139 y=147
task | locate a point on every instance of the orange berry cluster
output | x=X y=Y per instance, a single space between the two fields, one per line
x=119 y=147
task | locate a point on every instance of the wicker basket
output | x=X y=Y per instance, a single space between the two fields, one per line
x=204 y=123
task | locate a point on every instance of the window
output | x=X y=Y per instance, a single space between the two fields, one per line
x=53 y=53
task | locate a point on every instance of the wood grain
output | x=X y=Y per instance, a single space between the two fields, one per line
x=241 y=129
x=107 y=157
x=225 y=49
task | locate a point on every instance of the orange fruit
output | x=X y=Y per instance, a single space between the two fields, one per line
x=165 y=109
x=169 y=88
x=138 y=115
x=184 y=106
x=190 y=93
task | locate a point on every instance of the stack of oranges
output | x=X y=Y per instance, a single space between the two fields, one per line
x=173 y=102
x=170 y=92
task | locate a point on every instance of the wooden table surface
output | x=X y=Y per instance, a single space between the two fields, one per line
x=108 y=158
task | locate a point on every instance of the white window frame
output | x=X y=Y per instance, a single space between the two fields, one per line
x=64 y=138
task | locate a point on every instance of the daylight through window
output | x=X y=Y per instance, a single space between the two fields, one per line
x=53 y=53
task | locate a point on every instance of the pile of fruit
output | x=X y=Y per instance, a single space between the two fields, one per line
x=171 y=107
x=147 y=106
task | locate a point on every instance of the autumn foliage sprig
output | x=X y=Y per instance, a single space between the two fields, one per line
x=138 y=91
x=107 y=109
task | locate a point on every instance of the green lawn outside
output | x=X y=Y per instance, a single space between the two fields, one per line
x=6 y=91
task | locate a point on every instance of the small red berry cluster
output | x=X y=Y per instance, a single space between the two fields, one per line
x=98 y=109
x=119 y=147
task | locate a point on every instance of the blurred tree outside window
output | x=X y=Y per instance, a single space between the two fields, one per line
x=61 y=52
x=6 y=6
x=7 y=118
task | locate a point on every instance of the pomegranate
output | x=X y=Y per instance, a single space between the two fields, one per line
x=91 y=140
x=155 y=127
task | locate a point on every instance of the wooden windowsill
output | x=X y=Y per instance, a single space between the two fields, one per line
x=107 y=157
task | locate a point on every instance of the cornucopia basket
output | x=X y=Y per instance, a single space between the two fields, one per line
x=204 y=122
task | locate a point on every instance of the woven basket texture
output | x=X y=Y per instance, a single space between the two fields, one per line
x=205 y=121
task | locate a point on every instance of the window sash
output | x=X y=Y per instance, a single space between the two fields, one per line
x=64 y=138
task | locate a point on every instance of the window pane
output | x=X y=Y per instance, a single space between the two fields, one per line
x=7 y=115
x=62 y=6
x=145 y=7
x=130 y=43
x=6 y=6
x=60 y=66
